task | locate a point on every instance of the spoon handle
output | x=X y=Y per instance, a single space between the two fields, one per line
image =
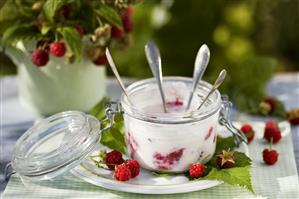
x=114 y=70
x=217 y=83
x=154 y=59
x=201 y=63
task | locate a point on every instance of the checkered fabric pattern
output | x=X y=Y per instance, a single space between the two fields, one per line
x=278 y=181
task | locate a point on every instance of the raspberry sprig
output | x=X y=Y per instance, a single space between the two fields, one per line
x=123 y=169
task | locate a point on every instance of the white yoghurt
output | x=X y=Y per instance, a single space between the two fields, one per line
x=169 y=147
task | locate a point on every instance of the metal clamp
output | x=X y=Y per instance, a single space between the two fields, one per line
x=111 y=108
x=8 y=171
x=223 y=120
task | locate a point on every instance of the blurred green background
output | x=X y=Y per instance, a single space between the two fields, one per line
x=252 y=39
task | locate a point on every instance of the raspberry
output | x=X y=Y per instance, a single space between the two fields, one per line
x=271 y=101
x=122 y=172
x=113 y=158
x=270 y=156
x=40 y=57
x=134 y=167
x=267 y=105
x=117 y=33
x=101 y=60
x=80 y=29
x=196 y=170
x=129 y=11
x=225 y=159
x=293 y=116
x=272 y=132
x=127 y=23
x=248 y=132
x=57 y=49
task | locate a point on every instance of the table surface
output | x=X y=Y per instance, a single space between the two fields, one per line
x=15 y=120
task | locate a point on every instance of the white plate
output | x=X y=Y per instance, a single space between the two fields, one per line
x=145 y=182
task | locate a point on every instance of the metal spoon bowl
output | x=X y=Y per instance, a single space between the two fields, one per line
x=201 y=63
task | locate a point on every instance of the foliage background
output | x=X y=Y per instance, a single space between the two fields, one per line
x=252 y=39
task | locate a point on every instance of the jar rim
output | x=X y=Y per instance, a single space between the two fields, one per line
x=196 y=115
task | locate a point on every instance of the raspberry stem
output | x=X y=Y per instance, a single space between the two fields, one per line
x=271 y=143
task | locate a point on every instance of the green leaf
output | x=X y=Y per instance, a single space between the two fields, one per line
x=45 y=29
x=20 y=32
x=50 y=8
x=279 y=110
x=225 y=143
x=241 y=159
x=163 y=174
x=73 y=40
x=99 y=109
x=110 y=15
x=234 y=176
x=114 y=139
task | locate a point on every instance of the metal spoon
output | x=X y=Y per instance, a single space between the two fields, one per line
x=154 y=59
x=201 y=62
x=217 y=83
x=114 y=70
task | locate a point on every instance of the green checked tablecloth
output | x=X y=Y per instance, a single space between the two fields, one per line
x=278 y=181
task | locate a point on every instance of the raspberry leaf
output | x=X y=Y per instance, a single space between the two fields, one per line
x=110 y=15
x=225 y=143
x=241 y=159
x=73 y=39
x=114 y=139
x=234 y=176
x=50 y=8
x=20 y=32
x=99 y=109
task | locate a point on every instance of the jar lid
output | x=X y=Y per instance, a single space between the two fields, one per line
x=55 y=145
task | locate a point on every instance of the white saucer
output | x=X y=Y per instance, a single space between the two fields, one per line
x=145 y=182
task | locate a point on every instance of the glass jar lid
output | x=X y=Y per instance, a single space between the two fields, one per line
x=55 y=145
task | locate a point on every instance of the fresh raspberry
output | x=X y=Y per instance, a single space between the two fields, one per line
x=80 y=29
x=122 y=172
x=129 y=11
x=293 y=116
x=272 y=102
x=196 y=170
x=113 y=158
x=134 y=167
x=270 y=124
x=39 y=57
x=248 y=132
x=272 y=132
x=101 y=60
x=117 y=33
x=225 y=159
x=267 y=105
x=127 y=23
x=270 y=156
x=57 y=49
